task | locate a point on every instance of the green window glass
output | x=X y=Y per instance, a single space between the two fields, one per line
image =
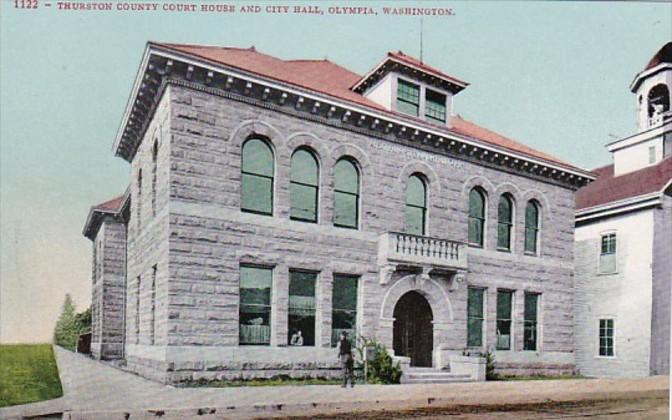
x=504 y=305
x=531 y=227
x=504 y=222
x=257 y=177
x=344 y=308
x=530 y=320
x=475 y=317
x=416 y=205
x=346 y=194
x=476 y=217
x=606 y=337
x=304 y=186
x=408 y=98
x=255 y=305
x=301 y=314
x=435 y=106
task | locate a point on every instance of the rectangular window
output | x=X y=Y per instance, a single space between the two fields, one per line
x=606 y=337
x=530 y=319
x=652 y=154
x=435 y=106
x=301 y=315
x=608 y=253
x=344 y=308
x=504 y=305
x=408 y=98
x=152 y=324
x=255 y=305
x=137 y=311
x=475 y=317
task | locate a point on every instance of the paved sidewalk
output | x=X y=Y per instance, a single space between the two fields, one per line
x=95 y=390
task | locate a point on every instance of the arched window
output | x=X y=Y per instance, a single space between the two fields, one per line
x=256 y=192
x=304 y=186
x=346 y=194
x=476 y=216
x=504 y=222
x=658 y=100
x=531 y=227
x=416 y=205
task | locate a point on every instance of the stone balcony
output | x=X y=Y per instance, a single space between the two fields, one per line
x=403 y=249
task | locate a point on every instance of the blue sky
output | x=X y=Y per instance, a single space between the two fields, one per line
x=553 y=75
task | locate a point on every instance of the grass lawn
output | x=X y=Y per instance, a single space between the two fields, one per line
x=28 y=373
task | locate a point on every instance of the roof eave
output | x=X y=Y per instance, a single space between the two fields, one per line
x=634 y=85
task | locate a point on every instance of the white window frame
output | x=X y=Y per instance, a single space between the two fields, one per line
x=600 y=254
x=613 y=337
x=422 y=100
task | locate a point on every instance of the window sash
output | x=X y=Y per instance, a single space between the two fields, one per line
x=531 y=239
x=254 y=313
x=606 y=337
x=303 y=199
x=530 y=317
x=256 y=193
x=344 y=307
x=504 y=320
x=476 y=226
x=301 y=311
x=346 y=209
x=435 y=106
x=408 y=98
x=475 y=317
x=608 y=244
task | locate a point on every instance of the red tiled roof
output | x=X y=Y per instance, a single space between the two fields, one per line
x=399 y=55
x=607 y=188
x=113 y=205
x=328 y=78
x=664 y=55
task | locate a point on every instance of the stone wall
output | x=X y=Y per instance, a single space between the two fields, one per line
x=662 y=288
x=109 y=286
x=209 y=237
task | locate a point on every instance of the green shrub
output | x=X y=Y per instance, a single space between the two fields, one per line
x=381 y=369
x=71 y=324
x=490 y=374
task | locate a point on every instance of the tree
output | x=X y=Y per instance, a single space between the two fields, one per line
x=65 y=332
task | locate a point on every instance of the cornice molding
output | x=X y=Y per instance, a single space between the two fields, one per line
x=161 y=68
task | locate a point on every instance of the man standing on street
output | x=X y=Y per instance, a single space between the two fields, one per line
x=345 y=356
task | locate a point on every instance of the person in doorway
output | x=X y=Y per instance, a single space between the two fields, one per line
x=345 y=356
x=297 y=339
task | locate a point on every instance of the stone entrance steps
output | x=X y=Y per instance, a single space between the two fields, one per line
x=417 y=375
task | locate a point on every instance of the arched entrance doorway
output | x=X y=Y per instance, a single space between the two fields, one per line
x=413 y=335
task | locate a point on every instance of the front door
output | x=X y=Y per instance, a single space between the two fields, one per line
x=413 y=333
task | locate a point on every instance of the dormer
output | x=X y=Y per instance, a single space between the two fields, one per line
x=653 y=140
x=403 y=84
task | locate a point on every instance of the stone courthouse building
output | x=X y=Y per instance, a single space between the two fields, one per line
x=272 y=197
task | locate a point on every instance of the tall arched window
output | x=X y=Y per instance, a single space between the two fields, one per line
x=504 y=222
x=304 y=186
x=346 y=194
x=416 y=205
x=476 y=216
x=531 y=227
x=256 y=193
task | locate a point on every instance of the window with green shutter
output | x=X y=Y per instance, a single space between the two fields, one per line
x=408 y=97
x=435 y=106
x=301 y=313
x=304 y=186
x=530 y=320
x=531 y=227
x=254 y=314
x=344 y=308
x=416 y=205
x=475 y=317
x=346 y=194
x=504 y=306
x=504 y=222
x=476 y=217
x=257 y=177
